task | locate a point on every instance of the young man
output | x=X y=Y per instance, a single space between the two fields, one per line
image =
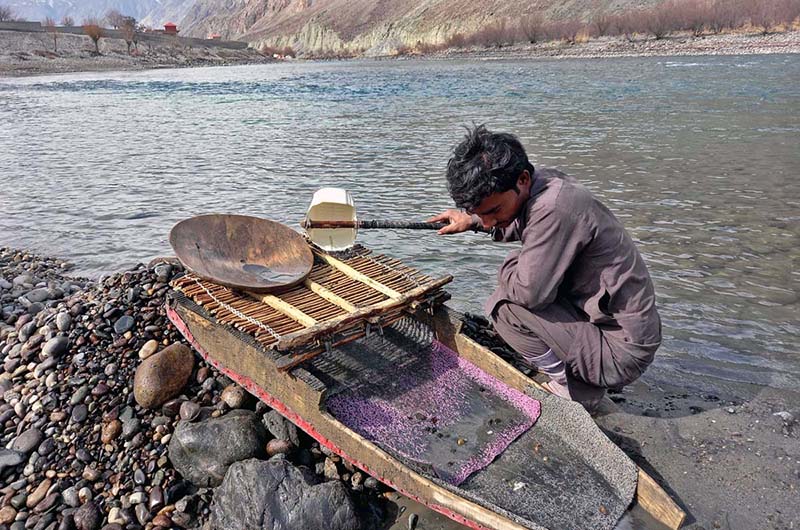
x=575 y=300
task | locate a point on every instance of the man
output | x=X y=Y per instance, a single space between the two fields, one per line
x=575 y=300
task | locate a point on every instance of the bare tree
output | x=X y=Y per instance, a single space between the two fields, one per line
x=50 y=25
x=92 y=28
x=128 y=29
x=6 y=14
x=67 y=21
x=661 y=20
x=531 y=27
x=694 y=15
x=114 y=18
x=765 y=15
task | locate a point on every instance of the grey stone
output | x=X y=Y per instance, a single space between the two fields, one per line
x=202 y=451
x=79 y=413
x=38 y=295
x=87 y=517
x=28 y=440
x=79 y=395
x=123 y=324
x=55 y=347
x=10 y=459
x=280 y=427
x=280 y=496
x=63 y=321
x=70 y=496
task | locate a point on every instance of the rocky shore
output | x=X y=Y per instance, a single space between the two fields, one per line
x=26 y=54
x=741 y=43
x=109 y=421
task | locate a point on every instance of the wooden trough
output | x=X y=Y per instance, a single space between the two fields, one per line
x=300 y=349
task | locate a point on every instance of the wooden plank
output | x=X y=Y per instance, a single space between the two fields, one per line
x=293 y=340
x=657 y=502
x=330 y=296
x=287 y=309
x=355 y=275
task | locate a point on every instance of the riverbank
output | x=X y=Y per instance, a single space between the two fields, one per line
x=738 y=43
x=108 y=420
x=34 y=53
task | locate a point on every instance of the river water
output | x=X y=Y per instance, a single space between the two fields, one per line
x=698 y=158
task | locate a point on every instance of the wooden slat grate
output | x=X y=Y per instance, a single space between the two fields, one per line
x=337 y=301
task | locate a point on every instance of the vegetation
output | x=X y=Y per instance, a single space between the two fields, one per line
x=128 y=28
x=698 y=17
x=50 y=25
x=92 y=28
x=6 y=14
x=67 y=21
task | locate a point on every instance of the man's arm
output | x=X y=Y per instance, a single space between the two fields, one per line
x=531 y=275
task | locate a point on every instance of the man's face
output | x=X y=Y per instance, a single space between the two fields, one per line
x=499 y=210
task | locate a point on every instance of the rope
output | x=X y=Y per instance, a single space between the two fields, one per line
x=238 y=313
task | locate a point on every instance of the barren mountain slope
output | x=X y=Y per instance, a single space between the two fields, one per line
x=376 y=25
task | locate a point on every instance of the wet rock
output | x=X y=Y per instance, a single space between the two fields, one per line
x=156 y=499
x=280 y=496
x=55 y=347
x=202 y=451
x=163 y=375
x=87 y=517
x=189 y=410
x=38 y=494
x=28 y=440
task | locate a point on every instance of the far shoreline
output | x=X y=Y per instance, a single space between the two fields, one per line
x=679 y=45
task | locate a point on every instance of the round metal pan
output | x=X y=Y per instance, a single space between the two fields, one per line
x=242 y=252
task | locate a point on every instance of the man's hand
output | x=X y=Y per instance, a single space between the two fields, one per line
x=457 y=221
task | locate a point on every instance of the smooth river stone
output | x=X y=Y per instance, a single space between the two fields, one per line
x=123 y=324
x=26 y=441
x=55 y=347
x=162 y=376
x=148 y=349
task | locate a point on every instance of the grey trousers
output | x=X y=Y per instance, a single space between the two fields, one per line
x=592 y=356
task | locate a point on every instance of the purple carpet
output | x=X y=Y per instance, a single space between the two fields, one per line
x=443 y=415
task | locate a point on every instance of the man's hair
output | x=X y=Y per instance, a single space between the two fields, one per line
x=485 y=163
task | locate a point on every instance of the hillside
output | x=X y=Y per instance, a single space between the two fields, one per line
x=372 y=27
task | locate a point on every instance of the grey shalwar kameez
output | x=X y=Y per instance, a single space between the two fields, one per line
x=578 y=286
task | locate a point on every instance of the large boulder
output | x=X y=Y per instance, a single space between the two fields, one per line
x=203 y=451
x=273 y=495
x=162 y=376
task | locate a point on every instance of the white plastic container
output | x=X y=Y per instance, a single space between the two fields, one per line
x=332 y=204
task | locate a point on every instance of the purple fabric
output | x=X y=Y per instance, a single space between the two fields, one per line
x=446 y=414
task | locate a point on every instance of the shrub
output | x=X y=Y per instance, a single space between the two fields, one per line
x=6 y=14
x=531 y=28
x=91 y=27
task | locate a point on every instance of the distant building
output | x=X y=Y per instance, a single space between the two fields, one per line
x=170 y=28
x=215 y=36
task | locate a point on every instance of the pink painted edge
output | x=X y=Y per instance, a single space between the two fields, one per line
x=282 y=409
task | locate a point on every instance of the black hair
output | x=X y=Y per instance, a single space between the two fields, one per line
x=485 y=163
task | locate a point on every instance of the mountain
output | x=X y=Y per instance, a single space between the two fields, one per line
x=150 y=11
x=374 y=27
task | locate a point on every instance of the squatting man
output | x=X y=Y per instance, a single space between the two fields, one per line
x=575 y=300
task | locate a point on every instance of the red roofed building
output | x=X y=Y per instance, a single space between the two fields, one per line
x=170 y=28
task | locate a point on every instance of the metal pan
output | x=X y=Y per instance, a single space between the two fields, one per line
x=242 y=252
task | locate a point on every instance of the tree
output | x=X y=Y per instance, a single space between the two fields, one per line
x=128 y=28
x=6 y=14
x=67 y=21
x=91 y=27
x=602 y=23
x=115 y=19
x=532 y=27
x=50 y=26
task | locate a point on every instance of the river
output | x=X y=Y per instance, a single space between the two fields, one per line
x=697 y=156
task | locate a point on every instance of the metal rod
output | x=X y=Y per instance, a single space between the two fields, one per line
x=307 y=224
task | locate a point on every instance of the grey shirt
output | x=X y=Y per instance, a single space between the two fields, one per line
x=575 y=250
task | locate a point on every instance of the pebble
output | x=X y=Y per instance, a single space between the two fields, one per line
x=91 y=474
x=39 y=493
x=115 y=517
x=148 y=349
x=139 y=477
x=137 y=498
x=162 y=521
x=275 y=447
x=79 y=395
x=26 y=441
x=85 y=495
x=87 y=517
x=79 y=413
x=142 y=514
x=123 y=324
x=189 y=410
x=63 y=321
x=233 y=396
x=55 y=347
x=7 y=515
x=70 y=496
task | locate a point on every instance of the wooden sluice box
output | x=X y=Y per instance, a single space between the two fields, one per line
x=364 y=356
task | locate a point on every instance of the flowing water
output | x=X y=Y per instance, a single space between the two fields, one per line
x=698 y=158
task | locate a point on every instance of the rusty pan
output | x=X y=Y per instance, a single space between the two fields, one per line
x=242 y=252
